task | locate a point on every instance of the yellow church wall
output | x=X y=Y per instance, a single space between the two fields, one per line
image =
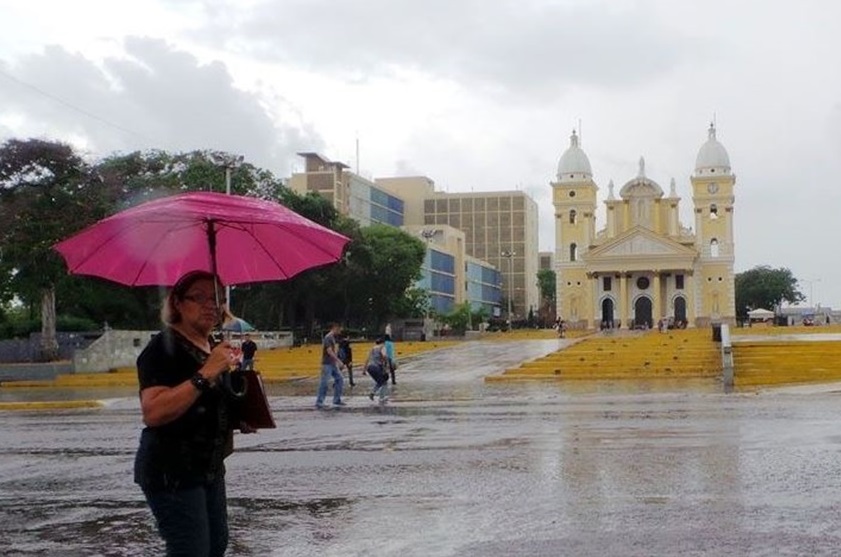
x=576 y=297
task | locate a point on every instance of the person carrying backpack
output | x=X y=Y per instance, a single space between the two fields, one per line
x=377 y=367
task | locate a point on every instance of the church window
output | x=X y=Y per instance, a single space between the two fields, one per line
x=572 y=193
x=607 y=283
x=679 y=282
x=713 y=211
x=643 y=283
x=572 y=215
x=573 y=252
x=713 y=248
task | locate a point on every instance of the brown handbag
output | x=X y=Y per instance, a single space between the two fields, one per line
x=254 y=406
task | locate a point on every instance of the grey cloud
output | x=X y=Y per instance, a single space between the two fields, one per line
x=511 y=46
x=156 y=97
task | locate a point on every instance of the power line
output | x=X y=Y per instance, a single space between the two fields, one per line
x=72 y=106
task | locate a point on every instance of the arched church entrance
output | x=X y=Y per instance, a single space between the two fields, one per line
x=680 y=309
x=607 y=312
x=642 y=313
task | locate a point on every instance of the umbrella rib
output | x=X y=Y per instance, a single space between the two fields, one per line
x=118 y=234
x=154 y=247
x=243 y=227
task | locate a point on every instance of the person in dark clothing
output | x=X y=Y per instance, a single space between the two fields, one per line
x=345 y=354
x=249 y=349
x=376 y=365
x=189 y=421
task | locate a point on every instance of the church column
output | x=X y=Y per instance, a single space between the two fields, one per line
x=689 y=283
x=658 y=299
x=594 y=296
x=622 y=310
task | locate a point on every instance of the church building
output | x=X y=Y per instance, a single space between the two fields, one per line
x=645 y=265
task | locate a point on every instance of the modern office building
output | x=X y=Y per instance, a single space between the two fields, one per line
x=499 y=227
x=645 y=265
x=351 y=194
x=450 y=275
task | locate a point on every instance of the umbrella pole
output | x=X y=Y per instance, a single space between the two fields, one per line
x=211 y=243
x=225 y=377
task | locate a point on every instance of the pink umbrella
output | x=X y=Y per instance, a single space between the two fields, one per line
x=242 y=239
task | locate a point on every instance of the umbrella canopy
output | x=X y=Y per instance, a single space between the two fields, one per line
x=237 y=325
x=242 y=239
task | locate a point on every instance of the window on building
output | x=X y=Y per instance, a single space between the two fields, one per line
x=573 y=252
x=572 y=215
x=679 y=282
x=714 y=248
x=713 y=211
x=607 y=283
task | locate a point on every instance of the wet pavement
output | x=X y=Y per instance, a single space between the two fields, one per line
x=454 y=466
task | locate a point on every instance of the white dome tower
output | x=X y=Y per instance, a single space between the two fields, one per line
x=574 y=198
x=713 y=195
x=574 y=165
x=712 y=159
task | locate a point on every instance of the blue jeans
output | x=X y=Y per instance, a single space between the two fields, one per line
x=327 y=371
x=193 y=521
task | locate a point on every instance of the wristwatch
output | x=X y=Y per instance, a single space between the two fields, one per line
x=200 y=382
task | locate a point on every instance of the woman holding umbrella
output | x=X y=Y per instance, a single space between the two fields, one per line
x=189 y=421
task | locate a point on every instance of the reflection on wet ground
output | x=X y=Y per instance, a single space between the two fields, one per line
x=456 y=467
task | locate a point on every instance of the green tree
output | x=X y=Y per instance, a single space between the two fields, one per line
x=765 y=287
x=414 y=303
x=141 y=175
x=46 y=194
x=395 y=263
x=459 y=318
x=546 y=282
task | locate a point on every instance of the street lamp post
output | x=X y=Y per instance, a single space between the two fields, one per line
x=231 y=164
x=509 y=254
x=811 y=290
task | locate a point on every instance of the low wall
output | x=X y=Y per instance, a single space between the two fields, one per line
x=34 y=372
x=116 y=348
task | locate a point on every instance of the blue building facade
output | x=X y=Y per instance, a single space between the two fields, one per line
x=484 y=286
x=439 y=279
x=371 y=205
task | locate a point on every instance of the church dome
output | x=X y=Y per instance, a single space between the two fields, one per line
x=574 y=165
x=712 y=157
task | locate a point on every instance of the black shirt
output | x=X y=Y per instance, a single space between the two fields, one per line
x=189 y=450
x=249 y=348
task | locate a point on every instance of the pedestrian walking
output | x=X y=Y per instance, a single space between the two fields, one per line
x=346 y=356
x=249 y=349
x=376 y=366
x=330 y=368
x=391 y=362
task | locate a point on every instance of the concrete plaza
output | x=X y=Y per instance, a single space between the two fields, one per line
x=455 y=466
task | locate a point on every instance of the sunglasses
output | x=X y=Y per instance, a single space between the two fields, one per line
x=202 y=299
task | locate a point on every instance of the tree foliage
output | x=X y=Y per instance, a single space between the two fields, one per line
x=765 y=287
x=48 y=192
x=546 y=282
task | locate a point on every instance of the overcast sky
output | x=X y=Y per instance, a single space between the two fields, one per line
x=476 y=94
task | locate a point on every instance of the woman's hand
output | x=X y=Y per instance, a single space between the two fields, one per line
x=221 y=359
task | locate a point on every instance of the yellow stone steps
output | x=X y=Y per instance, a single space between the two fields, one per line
x=676 y=354
x=785 y=361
